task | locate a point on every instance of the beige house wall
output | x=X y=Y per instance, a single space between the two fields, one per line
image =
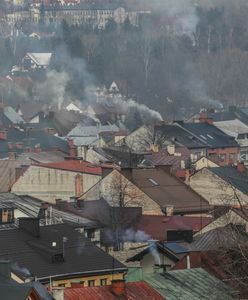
x=49 y=184
x=215 y=190
x=113 y=184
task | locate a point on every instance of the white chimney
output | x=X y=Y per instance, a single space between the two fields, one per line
x=171 y=149
x=169 y=210
x=182 y=164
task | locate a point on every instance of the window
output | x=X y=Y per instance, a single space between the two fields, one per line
x=91 y=283
x=104 y=281
x=232 y=156
x=222 y=157
x=153 y=182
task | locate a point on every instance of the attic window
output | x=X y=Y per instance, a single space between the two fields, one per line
x=153 y=182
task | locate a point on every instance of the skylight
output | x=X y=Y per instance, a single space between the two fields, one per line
x=154 y=182
x=210 y=136
x=203 y=137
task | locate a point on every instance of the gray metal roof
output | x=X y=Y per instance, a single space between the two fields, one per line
x=239 y=180
x=87 y=131
x=189 y=284
x=12 y=115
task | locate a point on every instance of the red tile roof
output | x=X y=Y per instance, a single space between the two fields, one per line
x=157 y=226
x=74 y=166
x=134 y=291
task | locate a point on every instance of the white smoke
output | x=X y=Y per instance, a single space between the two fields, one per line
x=20 y=270
x=180 y=14
x=53 y=89
x=135 y=236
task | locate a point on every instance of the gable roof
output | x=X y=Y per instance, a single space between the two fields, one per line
x=173 y=250
x=231 y=175
x=219 y=237
x=210 y=135
x=74 y=166
x=232 y=127
x=179 y=136
x=83 y=131
x=34 y=254
x=193 y=284
x=166 y=189
x=31 y=139
x=41 y=59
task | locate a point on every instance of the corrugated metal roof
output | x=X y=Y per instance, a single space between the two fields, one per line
x=42 y=59
x=134 y=291
x=189 y=284
x=82 y=130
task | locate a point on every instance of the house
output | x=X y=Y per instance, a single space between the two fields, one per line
x=179 y=158
x=203 y=162
x=157 y=227
x=222 y=185
x=221 y=148
x=35 y=60
x=153 y=189
x=118 y=156
x=15 y=141
x=190 y=284
x=162 y=255
x=58 y=180
x=239 y=131
x=83 y=135
x=219 y=238
x=13 y=290
x=233 y=216
x=57 y=255
x=118 y=290
x=118 y=190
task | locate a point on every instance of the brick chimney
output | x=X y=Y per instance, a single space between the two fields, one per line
x=240 y=167
x=72 y=148
x=118 y=287
x=3 y=135
x=204 y=118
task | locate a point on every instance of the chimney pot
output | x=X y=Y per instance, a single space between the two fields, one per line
x=3 y=135
x=240 y=167
x=118 y=287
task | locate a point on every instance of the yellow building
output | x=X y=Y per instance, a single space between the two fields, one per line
x=57 y=255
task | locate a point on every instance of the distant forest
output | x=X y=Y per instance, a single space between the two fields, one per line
x=169 y=70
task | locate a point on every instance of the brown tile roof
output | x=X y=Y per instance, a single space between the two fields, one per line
x=74 y=166
x=157 y=226
x=133 y=291
x=166 y=189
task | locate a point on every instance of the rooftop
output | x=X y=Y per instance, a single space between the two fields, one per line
x=42 y=59
x=166 y=189
x=157 y=226
x=74 y=166
x=232 y=176
x=209 y=135
x=35 y=255
x=133 y=290
x=193 y=284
